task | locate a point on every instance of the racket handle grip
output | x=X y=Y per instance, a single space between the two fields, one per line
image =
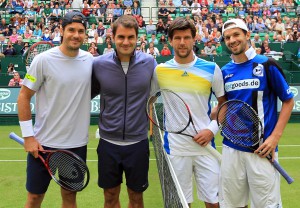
x=284 y=174
x=214 y=152
x=15 y=137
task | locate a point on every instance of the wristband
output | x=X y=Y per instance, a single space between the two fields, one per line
x=26 y=128
x=213 y=126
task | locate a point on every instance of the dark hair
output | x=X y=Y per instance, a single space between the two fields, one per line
x=126 y=21
x=181 y=23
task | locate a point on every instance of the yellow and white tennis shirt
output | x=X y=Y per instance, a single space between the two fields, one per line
x=194 y=83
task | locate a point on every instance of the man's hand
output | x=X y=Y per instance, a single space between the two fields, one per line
x=32 y=146
x=203 y=137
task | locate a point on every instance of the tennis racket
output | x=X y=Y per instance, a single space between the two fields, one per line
x=240 y=123
x=36 y=49
x=66 y=168
x=174 y=115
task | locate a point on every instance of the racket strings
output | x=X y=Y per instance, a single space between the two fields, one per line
x=39 y=48
x=172 y=112
x=68 y=171
x=240 y=124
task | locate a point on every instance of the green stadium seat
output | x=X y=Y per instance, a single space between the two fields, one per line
x=292 y=47
x=276 y=46
x=4 y=79
x=162 y=59
x=291 y=14
x=16 y=60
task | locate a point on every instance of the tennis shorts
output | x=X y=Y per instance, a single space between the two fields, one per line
x=38 y=178
x=205 y=169
x=245 y=174
x=132 y=159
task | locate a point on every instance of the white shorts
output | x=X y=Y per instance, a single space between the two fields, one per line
x=245 y=174
x=205 y=169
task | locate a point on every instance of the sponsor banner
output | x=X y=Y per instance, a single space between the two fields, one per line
x=9 y=96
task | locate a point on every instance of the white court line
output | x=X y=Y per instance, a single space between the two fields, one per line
x=280 y=158
x=94 y=148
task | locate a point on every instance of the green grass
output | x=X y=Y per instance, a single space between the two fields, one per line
x=12 y=174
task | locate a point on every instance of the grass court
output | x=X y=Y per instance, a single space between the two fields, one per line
x=13 y=171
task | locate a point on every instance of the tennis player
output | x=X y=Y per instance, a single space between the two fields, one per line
x=60 y=79
x=259 y=81
x=195 y=80
x=123 y=80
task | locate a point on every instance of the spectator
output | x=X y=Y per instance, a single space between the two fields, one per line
x=46 y=35
x=7 y=32
x=141 y=22
x=3 y=41
x=260 y=26
x=14 y=36
x=266 y=11
x=2 y=25
x=136 y=11
x=11 y=69
x=128 y=11
x=118 y=11
x=92 y=34
x=218 y=37
x=255 y=8
x=274 y=54
x=258 y=50
x=31 y=14
x=101 y=30
x=20 y=41
x=108 y=40
x=56 y=36
x=86 y=9
x=37 y=33
x=156 y=51
x=162 y=40
x=47 y=13
x=93 y=49
x=196 y=11
x=250 y=24
x=152 y=52
x=184 y=8
x=153 y=39
x=290 y=6
x=108 y=49
x=272 y=25
x=56 y=13
x=16 y=81
x=16 y=20
x=160 y=27
x=27 y=33
x=143 y=47
x=165 y=50
x=256 y=39
x=241 y=12
x=9 y=50
x=110 y=12
x=219 y=48
x=279 y=25
x=128 y=3
x=163 y=13
x=209 y=48
x=150 y=28
x=25 y=48
x=171 y=7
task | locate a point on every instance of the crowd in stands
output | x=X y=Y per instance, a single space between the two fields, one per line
x=27 y=21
